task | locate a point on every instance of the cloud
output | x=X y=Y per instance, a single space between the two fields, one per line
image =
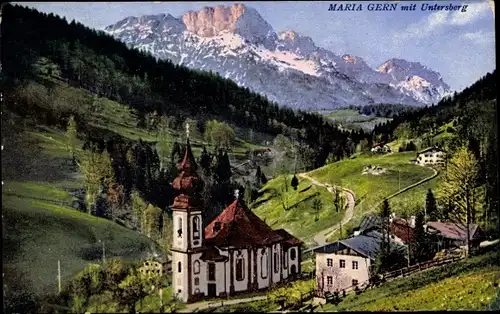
x=480 y=37
x=437 y=21
x=474 y=12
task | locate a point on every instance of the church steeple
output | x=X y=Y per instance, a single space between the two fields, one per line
x=188 y=183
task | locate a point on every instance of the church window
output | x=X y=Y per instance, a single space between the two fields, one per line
x=196 y=267
x=293 y=254
x=263 y=266
x=196 y=281
x=196 y=228
x=211 y=271
x=240 y=274
x=179 y=230
x=285 y=260
x=179 y=267
x=276 y=262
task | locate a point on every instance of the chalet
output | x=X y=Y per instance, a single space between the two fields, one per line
x=345 y=264
x=237 y=252
x=430 y=156
x=452 y=234
x=380 y=148
x=400 y=230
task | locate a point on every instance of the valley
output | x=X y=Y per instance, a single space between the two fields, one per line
x=209 y=163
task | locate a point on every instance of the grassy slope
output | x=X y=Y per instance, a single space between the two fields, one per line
x=371 y=189
x=462 y=285
x=40 y=225
x=348 y=118
x=299 y=220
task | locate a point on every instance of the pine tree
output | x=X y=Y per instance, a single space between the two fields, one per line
x=382 y=262
x=295 y=182
x=205 y=162
x=421 y=243
x=431 y=210
x=71 y=135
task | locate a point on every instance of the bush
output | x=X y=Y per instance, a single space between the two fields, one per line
x=450 y=129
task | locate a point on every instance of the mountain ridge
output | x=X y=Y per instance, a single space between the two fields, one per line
x=239 y=44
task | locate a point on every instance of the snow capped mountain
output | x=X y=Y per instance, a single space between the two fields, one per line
x=287 y=67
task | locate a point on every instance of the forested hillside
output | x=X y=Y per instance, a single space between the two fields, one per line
x=473 y=116
x=95 y=61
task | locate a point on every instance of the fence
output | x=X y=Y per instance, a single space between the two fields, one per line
x=418 y=267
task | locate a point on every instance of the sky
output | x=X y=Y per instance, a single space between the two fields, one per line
x=458 y=45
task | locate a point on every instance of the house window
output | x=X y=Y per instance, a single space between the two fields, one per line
x=293 y=254
x=329 y=262
x=179 y=225
x=240 y=274
x=196 y=281
x=342 y=263
x=196 y=228
x=211 y=271
x=196 y=267
x=354 y=264
x=329 y=280
x=263 y=266
x=354 y=282
x=276 y=262
x=179 y=267
x=285 y=260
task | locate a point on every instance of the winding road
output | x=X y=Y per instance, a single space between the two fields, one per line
x=320 y=237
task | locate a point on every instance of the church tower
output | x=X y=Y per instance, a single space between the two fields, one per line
x=187 y=216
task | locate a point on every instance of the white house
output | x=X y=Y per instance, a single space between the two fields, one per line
x=380 y=148
x=236 y=252
x=430 y=156
x=347 y=263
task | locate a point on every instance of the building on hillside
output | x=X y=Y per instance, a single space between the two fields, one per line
x=236 y=252
x=380 y=148
x=155 y=267
x=345 y=264
x=453 y=235
x=430 y=156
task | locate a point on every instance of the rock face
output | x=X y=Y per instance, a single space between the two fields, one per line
x=287 y=67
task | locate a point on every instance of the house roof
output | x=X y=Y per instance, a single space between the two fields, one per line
x=240 y=227
x=370 y=222
x=429 y=149
x=365 y=244
x=452 y=230
x=403 y=230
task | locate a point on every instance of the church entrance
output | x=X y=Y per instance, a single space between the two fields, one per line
x=212 y=291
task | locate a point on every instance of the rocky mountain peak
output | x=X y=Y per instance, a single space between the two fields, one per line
x=237 y=18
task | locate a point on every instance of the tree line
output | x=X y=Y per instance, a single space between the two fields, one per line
x=95 y=61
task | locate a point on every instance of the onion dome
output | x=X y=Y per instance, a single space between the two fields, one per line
x=188 y=183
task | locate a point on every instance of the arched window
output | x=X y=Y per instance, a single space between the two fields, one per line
x=179 y=267
x=240 y=266
x=263 y=265
x=179 y=227
x=293 y=254
x=196 y=267
x=196 y=228
x=285 y=259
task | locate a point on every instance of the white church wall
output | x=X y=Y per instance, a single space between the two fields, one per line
x=263 y=282
x=243 y=284
x=180 y=279
x=276 y=269
x=195 y=243
x=199 y=277
x=180 y=222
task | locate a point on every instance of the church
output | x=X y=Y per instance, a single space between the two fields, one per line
x=237 y=252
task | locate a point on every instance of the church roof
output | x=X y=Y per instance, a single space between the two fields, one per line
x=188 y=183
x=290 y=240
x=239 y=227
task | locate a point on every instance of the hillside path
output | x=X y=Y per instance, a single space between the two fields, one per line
x=320 y=237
